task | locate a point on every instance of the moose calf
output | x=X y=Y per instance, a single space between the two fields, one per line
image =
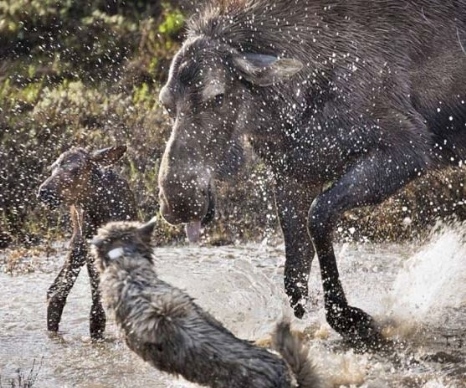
x=96 y=195
x=164 y=326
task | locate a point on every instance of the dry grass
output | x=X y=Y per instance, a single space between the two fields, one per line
x=21 y=260
x=23 y=379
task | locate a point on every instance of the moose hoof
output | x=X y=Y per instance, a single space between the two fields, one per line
x=52 y=327
x=97 y=332
x=355 y=326
x=97 y=337
x=53 y=318
x=97 y=326
x=299 y=310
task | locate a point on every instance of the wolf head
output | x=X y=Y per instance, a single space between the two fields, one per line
x=122 y=238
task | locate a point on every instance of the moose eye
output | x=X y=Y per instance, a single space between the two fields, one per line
x=71 y=168
x=214 y=102
x=218 y=99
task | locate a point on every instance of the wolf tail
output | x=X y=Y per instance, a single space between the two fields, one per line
x=293 y=351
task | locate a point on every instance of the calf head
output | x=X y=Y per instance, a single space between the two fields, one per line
x=71 y=179
x=211 y=97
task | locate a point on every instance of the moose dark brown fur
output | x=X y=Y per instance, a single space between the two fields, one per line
x=95 y=195
x=360 y=97
x=165 y=327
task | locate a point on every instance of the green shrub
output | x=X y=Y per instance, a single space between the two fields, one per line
x=85 y=73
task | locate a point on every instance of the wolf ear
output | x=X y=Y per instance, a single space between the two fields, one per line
x=96 y=241
x=108 y=156
x=265 y=70
x=146 y=230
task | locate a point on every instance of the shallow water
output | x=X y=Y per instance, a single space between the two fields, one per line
x=417 y=292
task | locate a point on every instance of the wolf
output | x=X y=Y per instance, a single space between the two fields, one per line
x=165 y=327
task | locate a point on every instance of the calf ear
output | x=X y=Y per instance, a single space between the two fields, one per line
x=108 y=156
x=265 y=70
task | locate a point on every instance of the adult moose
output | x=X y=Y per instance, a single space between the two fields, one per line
x=365 y=95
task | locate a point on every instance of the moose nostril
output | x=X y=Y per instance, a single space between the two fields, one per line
x=41 y=193
x=47 y=196
x=45 y=192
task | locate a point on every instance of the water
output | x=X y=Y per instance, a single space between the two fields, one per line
x=417 y=292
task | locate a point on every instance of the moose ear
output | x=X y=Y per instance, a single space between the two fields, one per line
x=108 y=156
x=146 y=230
x=265 y=70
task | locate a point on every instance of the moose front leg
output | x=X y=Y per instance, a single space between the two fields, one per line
x=293 y=200
x=368 y=182
x=61 y=287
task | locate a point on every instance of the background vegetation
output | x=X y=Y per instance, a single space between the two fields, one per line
x=87 y=73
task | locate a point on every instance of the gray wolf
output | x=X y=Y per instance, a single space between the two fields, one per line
x=165 y=327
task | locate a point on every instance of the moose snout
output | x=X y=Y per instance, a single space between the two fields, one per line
x=183 y=205
x=48 y=196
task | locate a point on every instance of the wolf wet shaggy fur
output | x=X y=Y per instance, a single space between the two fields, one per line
x=165 y=327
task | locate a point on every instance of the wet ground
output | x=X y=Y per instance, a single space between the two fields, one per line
x=417 y=291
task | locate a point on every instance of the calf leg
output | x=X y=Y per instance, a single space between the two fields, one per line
x=97 y=315
x=61 y=287
x=293 y=200
x=368 y=182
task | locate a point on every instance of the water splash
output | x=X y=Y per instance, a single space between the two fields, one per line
x=430 y=286
x=243 y=287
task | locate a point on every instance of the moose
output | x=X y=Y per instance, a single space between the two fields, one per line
x=345 y=101
x=96 y=195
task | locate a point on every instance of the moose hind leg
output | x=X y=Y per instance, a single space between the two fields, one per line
x=61 y=287
x=368 y=182
x=55 y=300
x=97 y=315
